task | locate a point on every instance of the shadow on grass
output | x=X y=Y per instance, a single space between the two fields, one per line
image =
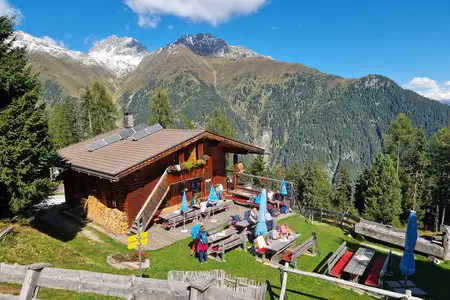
x=52 y=222
x=273 y=295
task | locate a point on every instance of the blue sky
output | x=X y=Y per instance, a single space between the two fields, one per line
x=408 y=41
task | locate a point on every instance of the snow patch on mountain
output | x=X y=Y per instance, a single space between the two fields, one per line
x=120 y=55
x=50 y=46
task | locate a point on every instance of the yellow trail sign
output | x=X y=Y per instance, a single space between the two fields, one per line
x=134 y=238
x=134 y=245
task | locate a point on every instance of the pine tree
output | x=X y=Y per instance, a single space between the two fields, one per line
x=219 y=124
x=26 y=152
x=410 y=147
x=361 y=190
x=383 y=195
x=294 y=174
x=314 y=187
x=160 y=109
x=186 y=122
x=440 y=155
x=400 y=138
x=342 y=198
x=257 y=167
x=99 y=114
x=63 y=124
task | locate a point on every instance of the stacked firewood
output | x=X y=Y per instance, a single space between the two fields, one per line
x=110 y=218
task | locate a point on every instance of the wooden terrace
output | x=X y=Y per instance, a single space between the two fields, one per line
x=160 y=237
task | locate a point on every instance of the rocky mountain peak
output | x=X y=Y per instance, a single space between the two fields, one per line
x=121 y=55
x=205 y=44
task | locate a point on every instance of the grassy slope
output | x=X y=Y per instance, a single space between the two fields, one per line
x=30 y=245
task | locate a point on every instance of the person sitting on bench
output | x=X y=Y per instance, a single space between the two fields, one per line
x=253 y=218
x=278 y=199
x=269 y=221
x=219 y=189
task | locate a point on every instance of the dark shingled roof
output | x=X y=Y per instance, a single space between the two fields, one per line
x=114 y=159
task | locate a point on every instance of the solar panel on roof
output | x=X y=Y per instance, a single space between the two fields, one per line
x=96 y=145
x=139 y=127
x=126 y=133
x=146 y=132
x=112 y=138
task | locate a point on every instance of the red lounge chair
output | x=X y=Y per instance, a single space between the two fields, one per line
x=339 y=267
x=374 y=275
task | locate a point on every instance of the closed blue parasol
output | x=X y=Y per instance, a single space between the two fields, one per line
x=261 y=227
x=212 y=198
x=258 y=199
x=283 y=188
x=184 y=205
x=407 y=264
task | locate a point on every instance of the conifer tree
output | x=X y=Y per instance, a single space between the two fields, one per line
x=314 y=188
x=361 y=190
x=440 y=154
x=26 y=152
x=383 y=195
x=160 y=109
x=257 y=167
x=219 y=124
x=63 y=123
x=98 y=111
x=342 y=198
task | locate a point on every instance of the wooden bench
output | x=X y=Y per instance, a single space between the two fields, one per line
x=236 y=239
x=379 y=269
x=292 y=256
x=337 y=262
x=4 y=232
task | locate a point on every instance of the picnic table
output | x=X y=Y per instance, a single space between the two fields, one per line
x=224 y=240
x=277 y=246
x=219 y=205
x=359 y=262
x=176 y=217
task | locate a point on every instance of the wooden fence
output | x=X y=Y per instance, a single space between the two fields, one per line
x=125 y=286
x=343 y=219
x=284 y=270
x=247 y=288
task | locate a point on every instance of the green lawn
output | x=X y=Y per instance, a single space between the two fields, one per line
x=30 y=245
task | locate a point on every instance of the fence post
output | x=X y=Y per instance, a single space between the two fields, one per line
x=29 y=288
x=283 y=278
x=314 y=243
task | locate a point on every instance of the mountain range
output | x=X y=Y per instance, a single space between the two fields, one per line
x=293 y=111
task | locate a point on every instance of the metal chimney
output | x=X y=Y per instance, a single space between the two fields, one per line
x=128 y=120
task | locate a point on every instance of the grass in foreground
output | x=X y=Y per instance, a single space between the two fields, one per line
x=80 y=252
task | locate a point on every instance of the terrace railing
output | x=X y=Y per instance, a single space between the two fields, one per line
x=254 y=182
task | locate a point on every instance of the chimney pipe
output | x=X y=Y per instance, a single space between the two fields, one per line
x=128 y=120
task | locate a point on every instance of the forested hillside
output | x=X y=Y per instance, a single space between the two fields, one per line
x=293 y=111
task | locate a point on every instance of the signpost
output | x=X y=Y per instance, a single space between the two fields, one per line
x=136 y=241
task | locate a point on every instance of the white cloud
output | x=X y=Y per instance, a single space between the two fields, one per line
x=170 y=27
x=149 y=21
x=429 y=88
x=275 y=28
x=7 y=9
x=213 y=12
x=440 y=93
x=53 y=41
x=422 y=83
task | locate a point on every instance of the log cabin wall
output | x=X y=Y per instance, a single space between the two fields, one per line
x=131 y=192
x=79 y=185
